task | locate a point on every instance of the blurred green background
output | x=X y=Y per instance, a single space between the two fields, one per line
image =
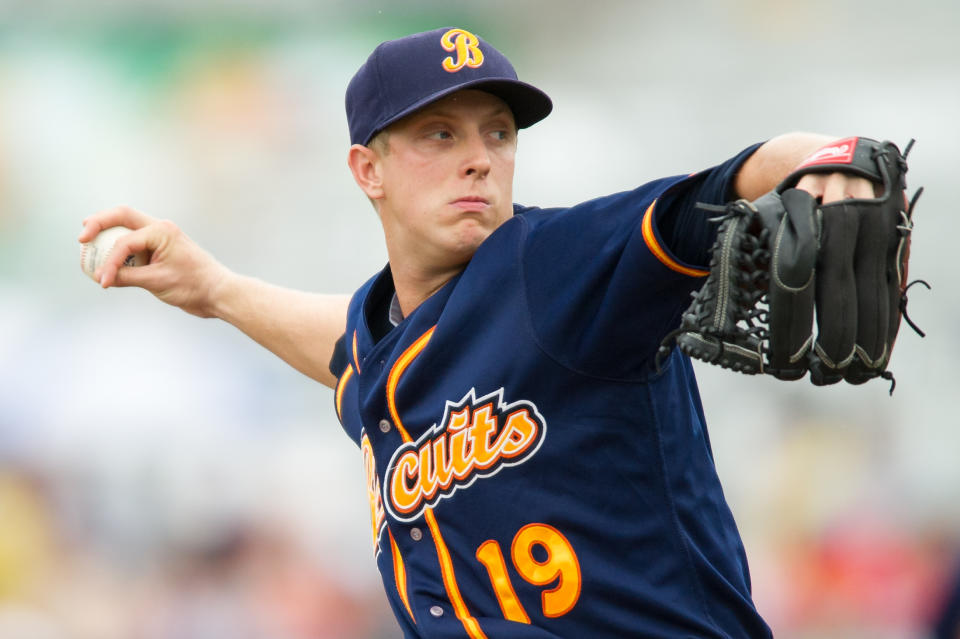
x=162 y=477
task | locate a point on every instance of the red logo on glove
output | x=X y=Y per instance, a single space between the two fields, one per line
x=839 y=152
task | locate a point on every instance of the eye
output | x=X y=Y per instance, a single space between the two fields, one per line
x=440 y=134
x=503 y=135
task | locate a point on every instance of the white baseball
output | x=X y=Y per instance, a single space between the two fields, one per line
x=95 y=252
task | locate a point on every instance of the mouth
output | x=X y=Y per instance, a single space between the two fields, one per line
x=471 y=203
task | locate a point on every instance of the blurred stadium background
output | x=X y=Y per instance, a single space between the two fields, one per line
x=162 y=477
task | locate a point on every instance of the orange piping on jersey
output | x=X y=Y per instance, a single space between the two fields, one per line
x=400 y=574
x=450 y=580
x=443 y=554
x=394 y=379
x=356 y=360
x=661 y=254
x=341 y=385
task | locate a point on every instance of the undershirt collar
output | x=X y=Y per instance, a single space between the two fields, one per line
x=396 y=314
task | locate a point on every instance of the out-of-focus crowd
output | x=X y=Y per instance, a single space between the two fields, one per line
x=245 y=581
x=60 y=579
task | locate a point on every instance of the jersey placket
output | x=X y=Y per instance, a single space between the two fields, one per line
x=414 y=531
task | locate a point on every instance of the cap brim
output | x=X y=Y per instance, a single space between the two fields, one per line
x=528 y=103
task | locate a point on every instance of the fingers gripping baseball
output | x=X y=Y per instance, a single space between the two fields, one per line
x=105 y=248
x=179 y=272
x=117 y=216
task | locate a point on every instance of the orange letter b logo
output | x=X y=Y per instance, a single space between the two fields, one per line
x=467 y=48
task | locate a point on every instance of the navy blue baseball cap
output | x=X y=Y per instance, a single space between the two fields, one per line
x=404 y=75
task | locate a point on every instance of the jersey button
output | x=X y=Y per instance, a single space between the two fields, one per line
x=384 y=426
x=436 y=611
x=416 y=534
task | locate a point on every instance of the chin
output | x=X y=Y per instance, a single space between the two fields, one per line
x=461 y=251
x=469 y=239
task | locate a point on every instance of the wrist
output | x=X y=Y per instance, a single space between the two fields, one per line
x=225 y=295
x=774 y=160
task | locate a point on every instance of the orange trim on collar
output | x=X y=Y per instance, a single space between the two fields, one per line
x=356 y=360
x=394 y=379
x=341 y=385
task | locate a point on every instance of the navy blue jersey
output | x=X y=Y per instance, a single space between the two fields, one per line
x=529 y=473
x=947 y=619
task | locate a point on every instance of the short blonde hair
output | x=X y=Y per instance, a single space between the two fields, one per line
x=380 y=142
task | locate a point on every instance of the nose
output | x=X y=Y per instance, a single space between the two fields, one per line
x=477 y=157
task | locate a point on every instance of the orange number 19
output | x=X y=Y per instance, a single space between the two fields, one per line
x=560 y=565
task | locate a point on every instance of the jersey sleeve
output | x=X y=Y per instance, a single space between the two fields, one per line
x=680 y=225
x=339 y=360
x=607 y=279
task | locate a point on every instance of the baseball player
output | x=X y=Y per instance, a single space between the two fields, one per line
x=530 y=472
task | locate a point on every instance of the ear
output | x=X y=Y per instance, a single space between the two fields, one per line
x=365 y=165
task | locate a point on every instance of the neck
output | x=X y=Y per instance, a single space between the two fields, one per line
x=414 y=287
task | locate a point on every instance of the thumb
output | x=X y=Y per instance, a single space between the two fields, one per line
x=141 y=244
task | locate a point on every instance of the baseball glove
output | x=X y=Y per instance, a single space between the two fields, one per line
x=784 y=259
